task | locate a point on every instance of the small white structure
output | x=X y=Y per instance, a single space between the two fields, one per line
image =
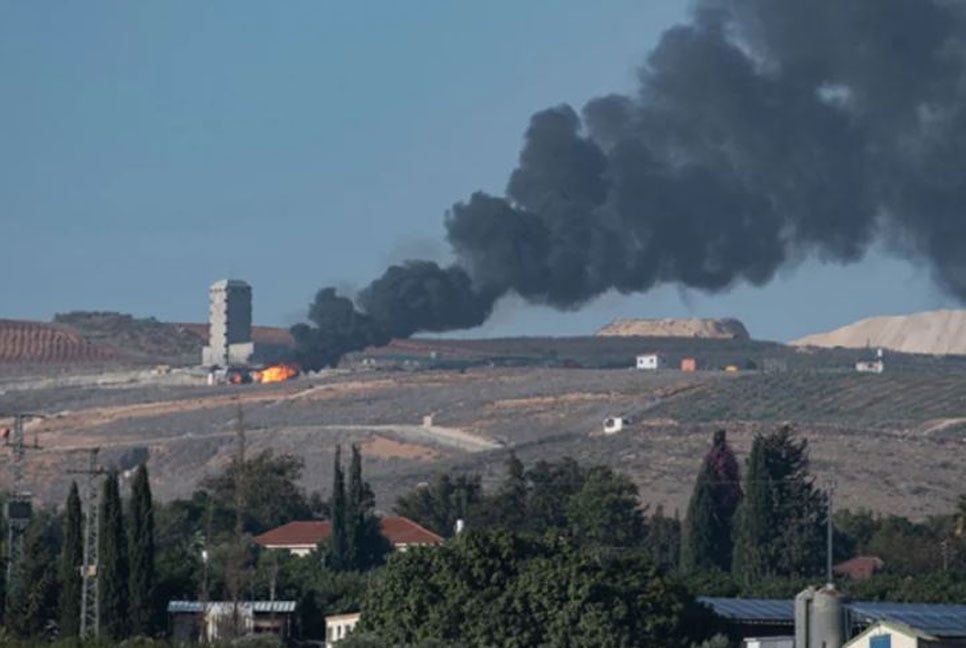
x=864 y=366
x=768 y=642
x=337 y=626
x=648 y=361
x=614 y=424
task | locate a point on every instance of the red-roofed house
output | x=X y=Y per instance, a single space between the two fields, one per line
x=300 y=538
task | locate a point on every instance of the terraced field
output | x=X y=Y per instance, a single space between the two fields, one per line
x=33 y=342
x=901 y=399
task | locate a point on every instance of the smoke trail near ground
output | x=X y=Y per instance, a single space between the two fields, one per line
x=762 y=132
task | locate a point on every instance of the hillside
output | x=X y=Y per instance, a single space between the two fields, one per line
x=726 y=328
x=858 y=426
x=23 y=342
x=940 y=332
x=80 y=338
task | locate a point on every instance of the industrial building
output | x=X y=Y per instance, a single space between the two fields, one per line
x=824 y=618
x=229 y=325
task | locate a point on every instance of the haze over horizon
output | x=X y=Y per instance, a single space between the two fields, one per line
x=151 y=150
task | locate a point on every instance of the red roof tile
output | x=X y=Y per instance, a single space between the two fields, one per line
x=399 y=531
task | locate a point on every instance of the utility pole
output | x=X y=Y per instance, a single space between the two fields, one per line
x=830 y=489
x=90 y=620
x=240 y=486
x=19 y=508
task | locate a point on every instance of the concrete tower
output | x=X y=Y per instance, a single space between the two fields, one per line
x=229 y=324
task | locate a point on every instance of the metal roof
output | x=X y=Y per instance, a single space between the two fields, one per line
x=941 y=620
x=186 y=607
x=775 y=611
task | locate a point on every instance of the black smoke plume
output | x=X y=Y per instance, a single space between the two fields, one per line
x=762 y=132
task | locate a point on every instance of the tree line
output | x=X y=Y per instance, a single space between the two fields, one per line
x=555 y=545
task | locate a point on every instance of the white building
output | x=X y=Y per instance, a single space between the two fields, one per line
x=865 y=366
x=337 y=626
x=892 y=634
x=614 y=424
x=648 y=361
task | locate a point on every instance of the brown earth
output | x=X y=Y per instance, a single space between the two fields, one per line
x=726 y=328
x=885 y=454
x=36 y=342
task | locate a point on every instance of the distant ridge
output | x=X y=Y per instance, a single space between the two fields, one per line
x=36 y=342
x=941 y=332
x=720 y=328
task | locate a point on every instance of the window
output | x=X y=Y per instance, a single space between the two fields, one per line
x=881 y=641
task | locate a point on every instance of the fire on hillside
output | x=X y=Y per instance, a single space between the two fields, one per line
x=273 y=374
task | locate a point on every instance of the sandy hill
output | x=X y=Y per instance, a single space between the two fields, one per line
x=724 y=328
x=935 y=332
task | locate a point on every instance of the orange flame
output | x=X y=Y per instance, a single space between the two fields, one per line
x=276 y=373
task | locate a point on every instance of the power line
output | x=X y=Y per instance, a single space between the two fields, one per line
x=90 y=619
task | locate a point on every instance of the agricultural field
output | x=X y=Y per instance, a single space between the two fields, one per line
x=893 y=442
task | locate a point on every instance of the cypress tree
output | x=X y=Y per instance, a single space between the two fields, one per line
x=35 y=605
x=71 y=559
x=366 y=546
x=754 y=520
x=142 y=580
x=112 y=564
x=708 y=526
x=698 y=549
x=338 y=550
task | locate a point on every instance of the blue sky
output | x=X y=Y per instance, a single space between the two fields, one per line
x=148 y=149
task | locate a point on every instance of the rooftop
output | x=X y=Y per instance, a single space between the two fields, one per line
x=398 y=530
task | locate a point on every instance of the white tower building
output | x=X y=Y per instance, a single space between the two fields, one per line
x=229 y=324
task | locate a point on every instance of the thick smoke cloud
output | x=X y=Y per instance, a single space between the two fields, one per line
x=762 y=132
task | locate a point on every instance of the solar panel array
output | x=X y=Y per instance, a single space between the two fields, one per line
x=943 y=620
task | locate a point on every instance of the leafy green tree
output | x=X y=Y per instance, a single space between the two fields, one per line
x=708 y=527
x=366 y=546
x=277 y=500
x=551 y=485
x=438 y=506
x=71 y=560
x=508 y=507
x=144 y=614
x=780 y=528
x=606 y=510
x=34 y=608
x=496 y=588
x=338 y=544
x=112 y=567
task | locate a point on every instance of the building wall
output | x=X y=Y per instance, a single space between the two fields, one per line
x=229 y=323
x=875 y=638
x=338 y=626
x=648 y=361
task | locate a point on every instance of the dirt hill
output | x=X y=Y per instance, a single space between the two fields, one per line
x=940 y=332
x=35 y=342
x=725 y=328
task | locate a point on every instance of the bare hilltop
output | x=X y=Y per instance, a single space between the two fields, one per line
x=941 y=332
x=717 y=328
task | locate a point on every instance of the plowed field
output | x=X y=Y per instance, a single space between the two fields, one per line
x=33 y=342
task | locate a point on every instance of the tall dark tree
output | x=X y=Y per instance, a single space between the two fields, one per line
x=781 y=521
x=71 y=559
x=142 y=580
x=338 y=541
x=34 y=608
x=708 y=526
x=663 y=539
x=366 y=547
x=112 y=559
x=439 y=505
